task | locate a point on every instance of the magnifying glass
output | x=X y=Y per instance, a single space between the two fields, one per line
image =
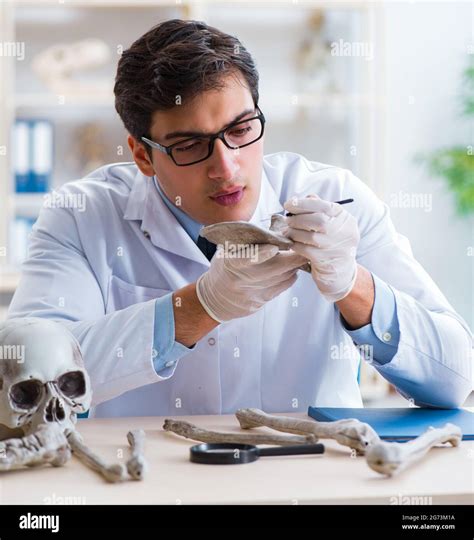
x=231 y=454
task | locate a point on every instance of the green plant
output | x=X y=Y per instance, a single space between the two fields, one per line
x=456 y=164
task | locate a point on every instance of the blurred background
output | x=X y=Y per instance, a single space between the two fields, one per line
x=385 y=89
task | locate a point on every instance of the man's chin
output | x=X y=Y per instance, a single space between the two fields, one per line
x=236 y=214
x=241 y=211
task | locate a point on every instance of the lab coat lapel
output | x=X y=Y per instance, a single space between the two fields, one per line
x=146 y=205
x=165 y=232
x=268 y=204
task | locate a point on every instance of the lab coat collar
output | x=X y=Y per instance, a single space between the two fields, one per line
x=157 y=221
x=268 y=203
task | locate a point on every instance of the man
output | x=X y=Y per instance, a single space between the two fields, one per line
x=168 y=328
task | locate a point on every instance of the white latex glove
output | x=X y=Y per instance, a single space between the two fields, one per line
x=237 y=287
x=328 y=236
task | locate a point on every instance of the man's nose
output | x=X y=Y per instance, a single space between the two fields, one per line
x=223 y=162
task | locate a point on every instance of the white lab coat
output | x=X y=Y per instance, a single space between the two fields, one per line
x=99 y=270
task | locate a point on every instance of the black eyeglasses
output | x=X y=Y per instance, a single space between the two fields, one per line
x=196 y=149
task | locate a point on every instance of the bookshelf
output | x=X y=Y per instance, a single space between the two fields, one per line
x=320 y=124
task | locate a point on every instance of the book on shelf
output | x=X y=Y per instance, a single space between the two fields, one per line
x=32 y=155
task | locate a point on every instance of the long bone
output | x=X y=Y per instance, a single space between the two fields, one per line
x=390 y=458
x=112 y=473
x=190 y=431
x=349 y=432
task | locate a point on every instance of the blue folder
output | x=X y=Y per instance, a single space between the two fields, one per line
x=400 y=424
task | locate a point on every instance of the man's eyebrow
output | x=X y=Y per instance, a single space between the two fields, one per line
x=175 y=134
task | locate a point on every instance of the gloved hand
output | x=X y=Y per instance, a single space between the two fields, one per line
x=237 y=287
x=328 y=236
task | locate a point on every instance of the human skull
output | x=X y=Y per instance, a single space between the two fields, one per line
x=42 y=375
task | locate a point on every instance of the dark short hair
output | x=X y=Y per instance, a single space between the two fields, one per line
x=176 y=58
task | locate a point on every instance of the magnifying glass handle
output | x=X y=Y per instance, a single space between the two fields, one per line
x=292 y=450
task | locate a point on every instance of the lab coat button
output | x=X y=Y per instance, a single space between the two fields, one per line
x=211 y=341
x=147 y=234
x=170 y=363
x=386 y=336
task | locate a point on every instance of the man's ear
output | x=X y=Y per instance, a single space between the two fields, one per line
x=140 y=156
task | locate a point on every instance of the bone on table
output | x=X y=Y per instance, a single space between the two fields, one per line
x=391 y=457
x=112 y=473
x=349 y=432
x=136 y=465
x=47 y=445
x=190 y=431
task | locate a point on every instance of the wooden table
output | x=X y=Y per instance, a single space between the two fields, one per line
x=446 y=474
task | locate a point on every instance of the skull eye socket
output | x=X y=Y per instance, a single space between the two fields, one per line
x=26 y=394
x=72 y=384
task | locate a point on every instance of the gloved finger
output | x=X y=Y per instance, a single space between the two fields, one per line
x=271 y=271
x=305 y=250
x=285 y=275
x=284 y=261
x=264 y=252
x=310 y=204
x=309 y=222
x=322 y=249
x=275 y=290
x=260 y=254
x=327 y=269
x=310 y=238
x=265 y=282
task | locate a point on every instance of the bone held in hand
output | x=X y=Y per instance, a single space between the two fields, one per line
x=244 y=233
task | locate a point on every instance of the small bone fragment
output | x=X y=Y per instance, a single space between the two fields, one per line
x=112 y=473
x=47 y=445
x=349 y=432
x=391 y=457
x=190 y=431
x=136 y=465
x=278 y=224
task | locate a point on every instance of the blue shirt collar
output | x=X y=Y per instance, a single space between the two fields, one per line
x=191 y=226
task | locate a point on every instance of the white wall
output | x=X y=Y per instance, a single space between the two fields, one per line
x=426 y=48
